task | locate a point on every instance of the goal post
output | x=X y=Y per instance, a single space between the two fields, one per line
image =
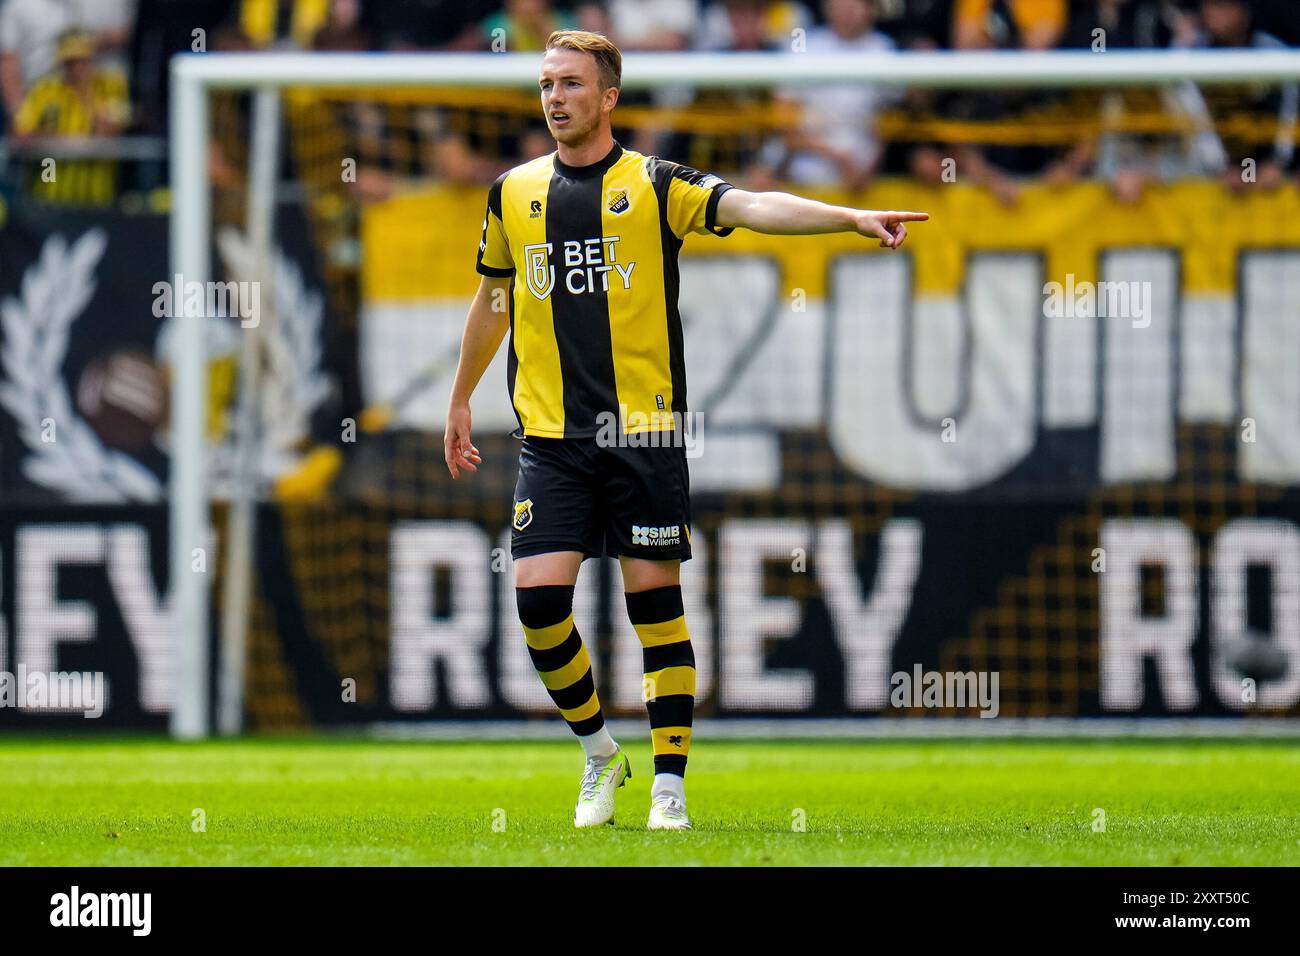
x=195 y=76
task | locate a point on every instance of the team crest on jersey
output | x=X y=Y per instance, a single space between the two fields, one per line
x=617 y=200
x=523 y=514
x=538 y=271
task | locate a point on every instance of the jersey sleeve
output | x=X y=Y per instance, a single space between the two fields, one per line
x=693 y=201
x=494 y=257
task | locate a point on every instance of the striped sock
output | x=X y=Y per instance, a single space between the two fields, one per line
x=669 y=662
x=560 y=656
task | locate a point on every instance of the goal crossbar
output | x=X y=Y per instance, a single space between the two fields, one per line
x=643 y=70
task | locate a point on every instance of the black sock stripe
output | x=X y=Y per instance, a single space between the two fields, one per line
x=671 y=763
x=553 y=658
x=677 y=654
x=544 y=606
x=576 y=694
x=655 y=606
x=675 y=710
x=585 y=728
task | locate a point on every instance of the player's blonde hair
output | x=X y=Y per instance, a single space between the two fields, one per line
x=609 y=61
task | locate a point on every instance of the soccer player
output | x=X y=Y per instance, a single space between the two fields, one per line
x=579 y=262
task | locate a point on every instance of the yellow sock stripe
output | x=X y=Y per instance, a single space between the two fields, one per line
x=660 y=736
x=569 y=673
x=544 y=638
x=669 y=681
x=665 y=632
x=589 y=709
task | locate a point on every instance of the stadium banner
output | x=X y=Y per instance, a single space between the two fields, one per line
x=1059 y=443
x=86 y=301
x=85 y=635
x=931 y=609
x=1068 y=342
x=969 y=479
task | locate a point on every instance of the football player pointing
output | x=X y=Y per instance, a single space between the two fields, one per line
x=582 y=244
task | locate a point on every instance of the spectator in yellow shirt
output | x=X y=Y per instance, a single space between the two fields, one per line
x=77 y=100
x=1025 y=24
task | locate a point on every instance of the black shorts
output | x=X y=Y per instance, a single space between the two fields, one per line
x=575 y=495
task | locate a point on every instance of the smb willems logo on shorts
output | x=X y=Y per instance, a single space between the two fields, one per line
x=653 y=535
x=523 y=514
x=53 y=692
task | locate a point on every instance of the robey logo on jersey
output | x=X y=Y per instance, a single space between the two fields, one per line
x=587 y=265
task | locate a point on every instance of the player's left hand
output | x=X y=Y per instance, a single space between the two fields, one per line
x=887 y=226
x=458 y=450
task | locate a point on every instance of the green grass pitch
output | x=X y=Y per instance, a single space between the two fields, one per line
x=352 y=801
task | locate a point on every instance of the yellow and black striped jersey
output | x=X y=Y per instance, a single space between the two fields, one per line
x=592 y=251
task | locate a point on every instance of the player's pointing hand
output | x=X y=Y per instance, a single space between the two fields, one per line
x=888 y=226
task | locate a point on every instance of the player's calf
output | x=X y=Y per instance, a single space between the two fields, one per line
x=659 y=618
x=562 y=662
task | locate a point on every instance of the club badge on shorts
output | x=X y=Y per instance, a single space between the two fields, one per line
x=523 y=514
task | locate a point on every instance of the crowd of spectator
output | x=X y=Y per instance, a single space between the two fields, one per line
x=98 y=68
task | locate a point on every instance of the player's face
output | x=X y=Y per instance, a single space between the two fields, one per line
x=572 y=100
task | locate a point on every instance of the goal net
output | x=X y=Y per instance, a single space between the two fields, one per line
x=1041 y=462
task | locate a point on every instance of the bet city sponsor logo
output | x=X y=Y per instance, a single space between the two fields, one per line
x=51 y=692
x=587 y=265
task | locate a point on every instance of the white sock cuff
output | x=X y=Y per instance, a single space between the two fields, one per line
x=669 y=783
x=599 y=744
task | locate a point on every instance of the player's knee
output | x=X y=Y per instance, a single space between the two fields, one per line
x=557 y=567
x=655 y=606
x=642 y=575
x=544 y=606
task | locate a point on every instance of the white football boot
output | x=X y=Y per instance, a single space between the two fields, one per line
x=668 y=812
x=600 y=779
